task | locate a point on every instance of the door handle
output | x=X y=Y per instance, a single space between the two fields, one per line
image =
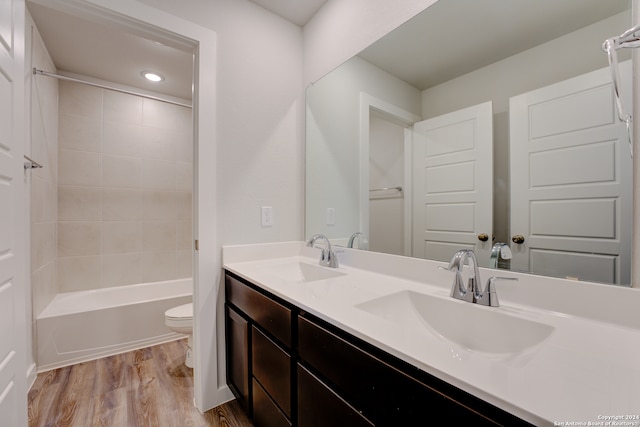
x=518 y=238
x=483 y=237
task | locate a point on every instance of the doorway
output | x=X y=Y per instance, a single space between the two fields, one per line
x=146 y=21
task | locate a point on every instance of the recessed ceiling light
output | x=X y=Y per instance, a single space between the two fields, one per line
x=152 y=76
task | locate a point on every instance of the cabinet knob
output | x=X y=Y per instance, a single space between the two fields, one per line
x=483 y=237
x=518 y=238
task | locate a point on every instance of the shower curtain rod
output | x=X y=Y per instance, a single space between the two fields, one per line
x=72 y=79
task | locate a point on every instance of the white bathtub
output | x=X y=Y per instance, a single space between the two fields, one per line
x=85 y=325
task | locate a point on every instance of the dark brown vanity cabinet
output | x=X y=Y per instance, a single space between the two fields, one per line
x=288 y=368
x=259 y=362
x=384 y=389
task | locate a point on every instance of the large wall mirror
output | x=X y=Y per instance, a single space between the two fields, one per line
x=489 y=125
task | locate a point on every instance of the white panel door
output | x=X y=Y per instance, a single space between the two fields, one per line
x=453 y=184
x=571 y=194
x=13 y=411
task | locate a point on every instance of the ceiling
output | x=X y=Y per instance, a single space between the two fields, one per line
x=80 y=47
x=91 y=49
x=95 y=50
x=297 y=11
x=455 y=37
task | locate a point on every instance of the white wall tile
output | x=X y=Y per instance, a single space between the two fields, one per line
x=44 y=205
x=184 y=234
x=159 y=205
x=79 y=273
x=80 y=133
x=43 y=244
x=38 y=195
x=121 y=269
x=165 y=115
x=157 y=266
x=122 y=139
x=184 y=146
x=184 y=205
x=79 y=168
x=184 y=176
x=76 y=238
x=129 y=169
x=121 y=237
x=122 y=108
x=184 y=264
x=158 y=143
x=80 y=100
x=79 y=203
x=121 y=204
x=158 y=174
x=44 y=286
x=158 y=235
x=121 y=171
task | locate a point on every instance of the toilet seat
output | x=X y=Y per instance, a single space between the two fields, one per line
x=180 y=316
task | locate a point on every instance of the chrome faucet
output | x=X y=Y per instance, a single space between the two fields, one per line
x=499 y=251
x=358 y=235
x=328 y=257
x=471 y=292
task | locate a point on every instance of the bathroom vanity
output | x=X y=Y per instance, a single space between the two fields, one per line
x=285 y=364
x=309 y=345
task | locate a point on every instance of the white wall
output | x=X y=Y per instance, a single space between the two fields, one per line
x=260 y=117
x=333 y=141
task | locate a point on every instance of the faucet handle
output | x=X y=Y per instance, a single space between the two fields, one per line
x=331 y=258
x=490 y=295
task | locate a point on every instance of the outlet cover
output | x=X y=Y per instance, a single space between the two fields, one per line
x=266 y=216
x=331 y=216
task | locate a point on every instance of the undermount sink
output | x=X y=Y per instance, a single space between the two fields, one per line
x=472 y=327
x=302 y=272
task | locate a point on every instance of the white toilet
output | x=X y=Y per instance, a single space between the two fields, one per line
x=180 y=319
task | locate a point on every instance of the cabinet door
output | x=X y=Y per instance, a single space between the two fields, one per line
x=319 y=406
x=238 y=356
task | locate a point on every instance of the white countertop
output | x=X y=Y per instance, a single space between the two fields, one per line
x=586 y=371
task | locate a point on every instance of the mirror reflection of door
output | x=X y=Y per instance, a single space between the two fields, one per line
x=453 y=184
x=571 y=180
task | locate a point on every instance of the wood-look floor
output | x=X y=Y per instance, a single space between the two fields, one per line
x=148 y=387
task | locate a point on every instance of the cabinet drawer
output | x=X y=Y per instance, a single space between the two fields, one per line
x=265 y=412
x=272 y=369
x=271 y=315
x=384 y=394
x=319 y=406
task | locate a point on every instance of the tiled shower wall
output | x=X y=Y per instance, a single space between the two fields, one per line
x=124 y=189
x=44 y=150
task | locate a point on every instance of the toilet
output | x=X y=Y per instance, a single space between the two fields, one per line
x=180 y=319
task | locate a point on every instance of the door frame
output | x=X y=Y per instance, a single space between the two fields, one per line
x=367 y=103
x=210 y=387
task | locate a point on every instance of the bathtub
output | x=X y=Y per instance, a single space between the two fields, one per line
x=85 y=325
